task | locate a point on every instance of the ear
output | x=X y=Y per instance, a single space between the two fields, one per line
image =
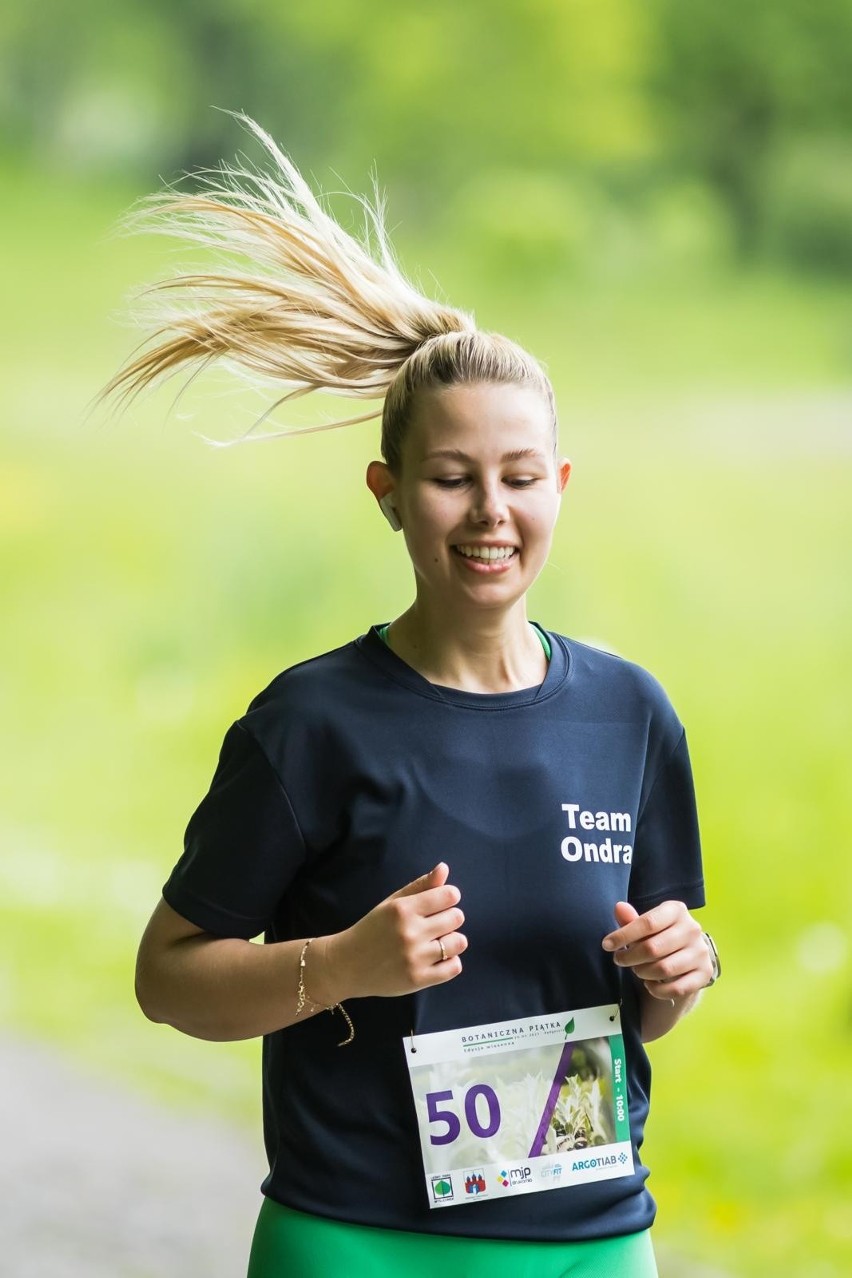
x=563 y=473
x=380 y=482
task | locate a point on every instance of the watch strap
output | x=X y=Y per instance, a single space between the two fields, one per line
x=714 y=959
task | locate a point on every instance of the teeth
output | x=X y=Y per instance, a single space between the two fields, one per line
x=486 y=552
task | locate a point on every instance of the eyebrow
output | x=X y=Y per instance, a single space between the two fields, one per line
x=455 y=454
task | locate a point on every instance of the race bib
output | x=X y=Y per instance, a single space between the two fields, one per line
x=521 y=1106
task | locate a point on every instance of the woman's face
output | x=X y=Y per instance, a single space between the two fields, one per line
x=477 y=493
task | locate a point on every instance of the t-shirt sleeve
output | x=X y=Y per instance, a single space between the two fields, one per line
x=667 y=849
x=242 y=846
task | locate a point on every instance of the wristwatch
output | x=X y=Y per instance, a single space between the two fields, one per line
x=714 y=959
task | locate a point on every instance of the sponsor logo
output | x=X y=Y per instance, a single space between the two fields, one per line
x=512 y=1177
x=474 y=1183
x=551 y=1171
x=442 y=1188
x=603 y=1160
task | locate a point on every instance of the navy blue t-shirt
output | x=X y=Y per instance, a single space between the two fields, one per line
x=350 y=776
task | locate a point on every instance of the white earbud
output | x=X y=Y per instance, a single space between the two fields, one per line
x=389 y=512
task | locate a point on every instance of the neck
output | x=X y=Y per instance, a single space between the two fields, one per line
x=485 y=652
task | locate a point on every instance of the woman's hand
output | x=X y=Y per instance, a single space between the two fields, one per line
x=221 y=988
x=665 y=949
x=394 y=949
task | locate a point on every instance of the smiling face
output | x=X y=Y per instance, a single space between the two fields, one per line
x=477 y=493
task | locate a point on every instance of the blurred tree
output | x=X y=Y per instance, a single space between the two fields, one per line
x=528 y=82
x=735 y=84
x=494 y=118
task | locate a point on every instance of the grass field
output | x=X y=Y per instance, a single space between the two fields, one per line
x=152 y=585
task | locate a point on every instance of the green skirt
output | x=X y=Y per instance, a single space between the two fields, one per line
x=292 y=1244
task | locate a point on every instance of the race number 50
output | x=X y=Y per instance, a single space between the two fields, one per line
x=478 y=1098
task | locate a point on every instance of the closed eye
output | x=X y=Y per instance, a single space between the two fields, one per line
x=512 y=481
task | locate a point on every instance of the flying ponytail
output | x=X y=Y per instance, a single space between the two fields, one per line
x=295 y=300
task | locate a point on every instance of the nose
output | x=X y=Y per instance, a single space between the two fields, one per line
x=489 y=505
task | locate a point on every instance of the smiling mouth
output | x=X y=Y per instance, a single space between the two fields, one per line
x=486 y=554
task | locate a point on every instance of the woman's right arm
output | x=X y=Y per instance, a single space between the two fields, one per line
x=223 y=988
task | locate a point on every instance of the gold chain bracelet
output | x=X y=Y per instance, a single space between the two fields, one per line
x=303 y=998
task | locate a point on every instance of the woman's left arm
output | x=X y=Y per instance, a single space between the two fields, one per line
x=666 y=951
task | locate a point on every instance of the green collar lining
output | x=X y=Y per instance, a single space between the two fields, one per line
x=382 y=632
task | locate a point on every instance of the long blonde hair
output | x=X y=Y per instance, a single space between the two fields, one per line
x=300 y=302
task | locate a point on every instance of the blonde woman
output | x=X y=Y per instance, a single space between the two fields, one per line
x=470 y=843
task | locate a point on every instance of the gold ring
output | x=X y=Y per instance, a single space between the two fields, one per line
x=441 y=948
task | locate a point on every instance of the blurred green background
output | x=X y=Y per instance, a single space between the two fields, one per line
x=656 y=198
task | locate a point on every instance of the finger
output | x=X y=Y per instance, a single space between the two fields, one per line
x=644 y=925
x=668 y=953
x=445 y=969
x=442 y=923
x=625 y=913
x=670 y=968
x=444 y=948
x=433 y=901
x=685 y=972
x=682 y=987
x=435 y=877
x=658 y=946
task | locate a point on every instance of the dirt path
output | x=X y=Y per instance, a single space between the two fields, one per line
x=96 y=1182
